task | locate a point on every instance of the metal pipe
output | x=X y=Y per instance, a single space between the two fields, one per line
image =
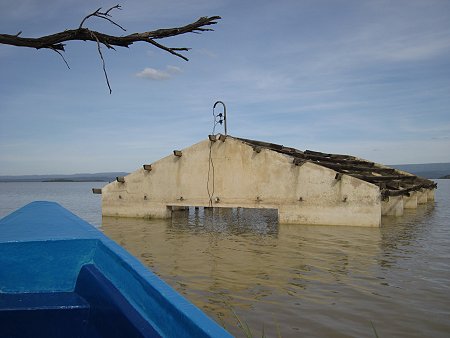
x=224 y=114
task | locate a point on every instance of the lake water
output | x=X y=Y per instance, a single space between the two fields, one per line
x=288 y=280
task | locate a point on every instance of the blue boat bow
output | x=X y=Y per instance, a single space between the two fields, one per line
x=61 y=277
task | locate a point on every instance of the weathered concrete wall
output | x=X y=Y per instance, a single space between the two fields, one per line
x=410 y=202
x=308 y=194
x=430 y=195
x=393 y=206
x=422 y=196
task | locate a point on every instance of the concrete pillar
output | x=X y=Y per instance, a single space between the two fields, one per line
x=393 y=206
x=422 y=197
x=410 y=202
x=430 y=195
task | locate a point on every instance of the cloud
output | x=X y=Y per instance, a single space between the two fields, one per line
x=158 y=75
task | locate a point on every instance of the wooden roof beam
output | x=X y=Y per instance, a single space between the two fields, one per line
x=340 y=166
x=383 y=178
x=335 y=156
x=334 y=160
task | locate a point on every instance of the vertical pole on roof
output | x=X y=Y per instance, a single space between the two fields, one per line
x=224 y=114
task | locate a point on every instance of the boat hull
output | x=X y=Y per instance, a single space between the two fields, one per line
x=66 y=279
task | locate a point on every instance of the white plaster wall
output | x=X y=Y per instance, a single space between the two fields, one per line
x=244 y=178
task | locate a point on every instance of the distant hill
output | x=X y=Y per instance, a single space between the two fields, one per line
x=427 y=170
x=97 y=177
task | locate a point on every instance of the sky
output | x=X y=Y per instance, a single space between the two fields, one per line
x=366 y=78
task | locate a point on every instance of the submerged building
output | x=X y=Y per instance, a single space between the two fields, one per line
x=305 y=187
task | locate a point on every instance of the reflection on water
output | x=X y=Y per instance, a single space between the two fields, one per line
x=294 y=280
x=302 y=280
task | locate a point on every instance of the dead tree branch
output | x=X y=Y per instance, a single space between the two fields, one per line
x=103 y=62
x=56 y=42
x=104 y=15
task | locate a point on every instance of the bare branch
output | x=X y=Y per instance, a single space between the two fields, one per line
x=87 y=17
x=197 y=26
x=56 y=41
x=62 y=56
x=113 y=7
x=170 y=50
x=103 y=62
x=104 y=15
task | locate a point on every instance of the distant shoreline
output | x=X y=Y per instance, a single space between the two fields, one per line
x=74 y=178
x=71 y=181
x=53 y=181
x=426 y=170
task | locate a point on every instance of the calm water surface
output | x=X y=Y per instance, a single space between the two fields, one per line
x=290 y=280
x=75 y=196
